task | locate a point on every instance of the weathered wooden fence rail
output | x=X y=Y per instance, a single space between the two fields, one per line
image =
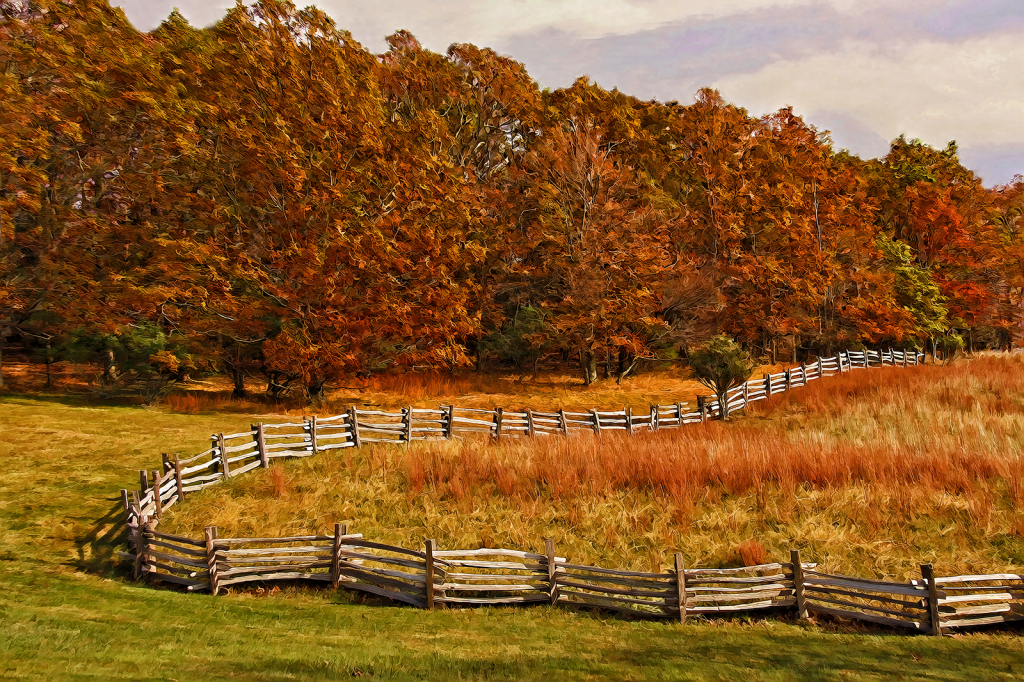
x=428 y=577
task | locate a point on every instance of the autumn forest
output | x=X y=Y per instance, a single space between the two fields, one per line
x=266 y=197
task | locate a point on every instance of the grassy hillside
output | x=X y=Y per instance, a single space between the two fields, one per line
x=66 y=614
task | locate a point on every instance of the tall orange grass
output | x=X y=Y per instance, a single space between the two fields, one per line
x=890 y=429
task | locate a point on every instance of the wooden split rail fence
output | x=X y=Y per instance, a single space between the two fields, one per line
x=236 y=453
x=428 y=577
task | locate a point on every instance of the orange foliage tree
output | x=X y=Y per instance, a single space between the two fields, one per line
x=266 y=195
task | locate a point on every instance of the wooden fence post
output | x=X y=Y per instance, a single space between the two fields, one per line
x=654 y=418
x=336 y=556
x=597 y=421
x=629 y=418
x=431 y=545
x=681 y=587
x=789 y=379
x=215 y=467
x=679 y=414
x=143 y=482
x=498 y=414
x=177 y=478
x=311 y=427
x=125 y=504
x=211 y=559
x=702 y=407
x=157 y=497
x=223 y=454
x=562 y=423
x=353 y=420
x=933 y=599
x=408 y=425
x=261 y=444
x=820 y=375
x=140 y=546
x=798 y=583
x=746 y=395
x=767 y=384
x=529 y=423
x=450 y=426
x=549 y=549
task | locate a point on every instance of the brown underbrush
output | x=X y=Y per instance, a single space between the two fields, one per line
x=549 y=390
x=871 y=473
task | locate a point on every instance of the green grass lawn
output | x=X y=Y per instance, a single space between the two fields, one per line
x=67 y=613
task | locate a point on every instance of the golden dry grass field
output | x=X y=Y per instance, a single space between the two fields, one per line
x=870 y=473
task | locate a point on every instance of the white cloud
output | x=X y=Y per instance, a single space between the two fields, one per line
x=440 y=23
x=970 y=91
x=147 y=14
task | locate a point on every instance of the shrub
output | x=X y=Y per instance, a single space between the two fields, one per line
x=950 y=345
x=720 y=365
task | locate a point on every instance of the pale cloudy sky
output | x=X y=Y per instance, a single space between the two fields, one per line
x=867 y=70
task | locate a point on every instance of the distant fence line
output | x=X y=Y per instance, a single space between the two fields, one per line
x=427 y=577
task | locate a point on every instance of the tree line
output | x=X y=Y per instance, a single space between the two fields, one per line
x=268 y=196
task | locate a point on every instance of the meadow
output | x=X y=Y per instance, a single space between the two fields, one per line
x=870 y=473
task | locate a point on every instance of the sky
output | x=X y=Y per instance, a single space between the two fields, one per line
x=865 y=70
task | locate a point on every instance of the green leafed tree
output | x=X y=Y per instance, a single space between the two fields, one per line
x=916 y=290
x=721 y=364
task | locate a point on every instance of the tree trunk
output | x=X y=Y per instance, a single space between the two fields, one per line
x=3 y=338
x=588 y=366
x=627 y=363
x=277 y=383
x=108 y=368
x=316 y=389
x=723 y=403
x=607 y=361
x=238 y=378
